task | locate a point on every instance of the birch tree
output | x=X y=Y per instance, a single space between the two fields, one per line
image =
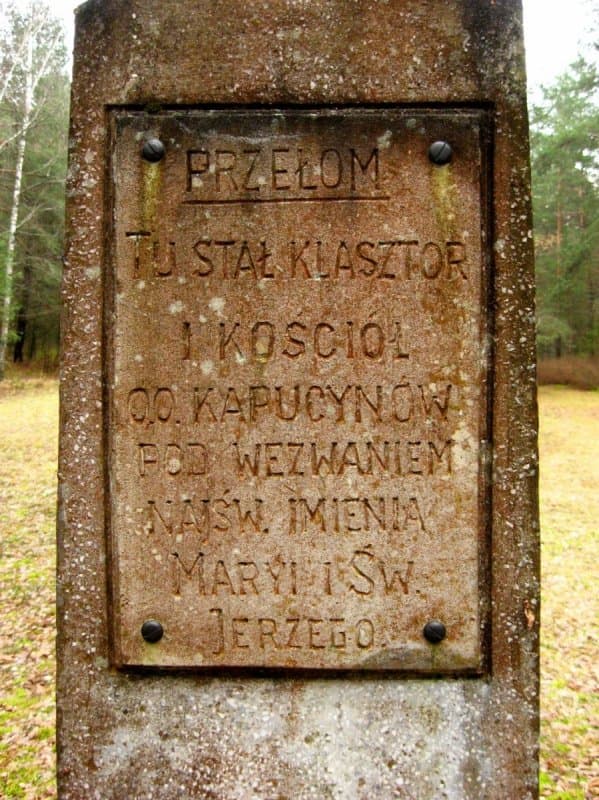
x=32 y=49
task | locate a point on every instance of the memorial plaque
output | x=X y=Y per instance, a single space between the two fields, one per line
x=297 y=368
x=298 y=427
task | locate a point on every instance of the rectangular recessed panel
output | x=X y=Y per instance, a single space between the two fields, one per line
x=297 y=376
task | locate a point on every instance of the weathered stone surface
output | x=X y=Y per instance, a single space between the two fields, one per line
x=287 y=287
x=298 y=412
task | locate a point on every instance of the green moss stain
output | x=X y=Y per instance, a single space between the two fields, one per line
x=444 y=199
x=151 y=192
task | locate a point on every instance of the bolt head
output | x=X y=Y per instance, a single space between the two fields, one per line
x=152 y=631
x=153 y=150
x=440 y=153
x=434 y=631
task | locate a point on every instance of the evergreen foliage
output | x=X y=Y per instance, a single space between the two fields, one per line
x=565 y=168
x=34 y=95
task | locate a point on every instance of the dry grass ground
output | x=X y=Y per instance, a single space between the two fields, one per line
x=28 y=447
x=570 y=515
x=569 y=445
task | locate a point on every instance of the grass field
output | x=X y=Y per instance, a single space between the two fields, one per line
x=28 y=447
x=569 y=449
x=569 y=440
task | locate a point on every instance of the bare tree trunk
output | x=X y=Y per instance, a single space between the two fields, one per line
x=16 y=200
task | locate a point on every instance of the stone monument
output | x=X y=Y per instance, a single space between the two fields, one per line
x=298 y=522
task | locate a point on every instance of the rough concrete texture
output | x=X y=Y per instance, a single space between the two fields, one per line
x=245 y=734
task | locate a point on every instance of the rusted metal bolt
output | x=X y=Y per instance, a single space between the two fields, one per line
x=434 y=631
x=440 y=153
x=152 y=631
x=153 y=150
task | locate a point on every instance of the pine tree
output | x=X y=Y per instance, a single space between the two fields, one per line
x=565 y=166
